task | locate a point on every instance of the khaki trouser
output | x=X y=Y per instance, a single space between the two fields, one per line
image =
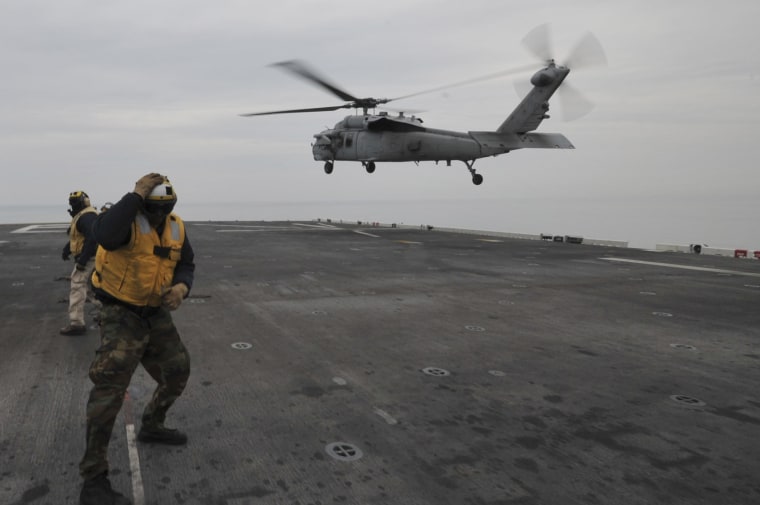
x=80 y=292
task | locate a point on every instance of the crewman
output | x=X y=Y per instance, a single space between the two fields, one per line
x=143 y=270
x=83 y=246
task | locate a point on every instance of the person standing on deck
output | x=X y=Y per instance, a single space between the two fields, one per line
x=143 y=270
x=82 y=246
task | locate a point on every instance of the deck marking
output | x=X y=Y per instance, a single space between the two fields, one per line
x=321 y=226
x=227 y=227
x=683 y=267
x=386 y=416
x=365 y=233
x=42 y=228
x=138 y=492
x=134 y=467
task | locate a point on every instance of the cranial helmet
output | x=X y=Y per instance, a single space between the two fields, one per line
x=162 y=199
x=78 y=200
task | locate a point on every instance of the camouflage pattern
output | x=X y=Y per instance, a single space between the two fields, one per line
x=127 y=340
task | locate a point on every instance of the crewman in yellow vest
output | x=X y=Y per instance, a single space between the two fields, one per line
x=144 y=269
x=82 y=245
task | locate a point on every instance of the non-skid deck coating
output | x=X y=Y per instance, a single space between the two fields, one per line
x=555 y=375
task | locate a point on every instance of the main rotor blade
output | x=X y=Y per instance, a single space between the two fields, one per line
x=539 y=42
x=301 y=69
x=293 y=111
x=495 y=75
x=586 y=53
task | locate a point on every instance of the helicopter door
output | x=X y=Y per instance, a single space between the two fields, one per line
x=348 y=150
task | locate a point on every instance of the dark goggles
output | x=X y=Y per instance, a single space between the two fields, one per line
x=158 y=207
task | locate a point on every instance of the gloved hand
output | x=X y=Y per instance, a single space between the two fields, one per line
x=66 y=253
x=173 y=296
x=80 y=267
x=145 y=185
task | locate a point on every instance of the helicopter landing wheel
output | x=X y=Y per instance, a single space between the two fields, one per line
x=477 y=179
x=369 y=167
x=328 y=167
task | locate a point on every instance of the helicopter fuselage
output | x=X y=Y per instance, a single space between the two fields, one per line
x=365 y=145
x=381 y=138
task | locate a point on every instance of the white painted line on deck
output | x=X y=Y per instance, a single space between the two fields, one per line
x=257 y=226
x=320 y=226
x=245 y=230
x=386 y=416
x=42 y=228
x=138 y=493
x=365 y=234
x=683 y=267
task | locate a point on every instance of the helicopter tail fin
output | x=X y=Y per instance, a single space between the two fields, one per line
x=533 y=109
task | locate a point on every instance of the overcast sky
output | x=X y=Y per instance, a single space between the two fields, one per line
x=96 y=93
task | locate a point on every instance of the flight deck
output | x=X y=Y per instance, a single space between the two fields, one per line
x=348 y=364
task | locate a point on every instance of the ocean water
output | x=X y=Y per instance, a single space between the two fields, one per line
x=642 y=222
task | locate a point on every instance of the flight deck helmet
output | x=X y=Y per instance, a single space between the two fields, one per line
x=161 y=201
x=78 y=201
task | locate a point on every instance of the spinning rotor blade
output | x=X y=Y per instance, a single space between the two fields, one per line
x=301 y=69
x=574 y=105
x=515 y=70
x=293 y=111
x=538 y=41
x=587 y=52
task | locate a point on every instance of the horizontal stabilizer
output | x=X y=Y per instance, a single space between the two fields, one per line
x=509 y=141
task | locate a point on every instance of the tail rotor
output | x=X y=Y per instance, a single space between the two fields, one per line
x=587 y=52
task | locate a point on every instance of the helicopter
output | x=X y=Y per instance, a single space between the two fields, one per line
x=380 y=137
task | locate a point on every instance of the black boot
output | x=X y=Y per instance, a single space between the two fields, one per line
x=161 y=435
x=98 y=491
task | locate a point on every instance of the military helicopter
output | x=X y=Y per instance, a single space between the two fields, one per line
x=372 y=138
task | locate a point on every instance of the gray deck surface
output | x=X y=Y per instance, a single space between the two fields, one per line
x=556 y=376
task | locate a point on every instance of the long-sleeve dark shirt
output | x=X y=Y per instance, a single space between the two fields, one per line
x=84 y=226
x=113 y=229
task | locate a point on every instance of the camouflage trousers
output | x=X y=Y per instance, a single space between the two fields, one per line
x=126 y=340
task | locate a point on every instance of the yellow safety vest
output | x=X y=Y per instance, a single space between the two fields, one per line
x=76 y=238
x=140 y=271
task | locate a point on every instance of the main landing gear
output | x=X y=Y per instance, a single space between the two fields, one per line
x=369 y=166
x=477 y=179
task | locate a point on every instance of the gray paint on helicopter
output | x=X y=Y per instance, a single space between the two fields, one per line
x=378 y=138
